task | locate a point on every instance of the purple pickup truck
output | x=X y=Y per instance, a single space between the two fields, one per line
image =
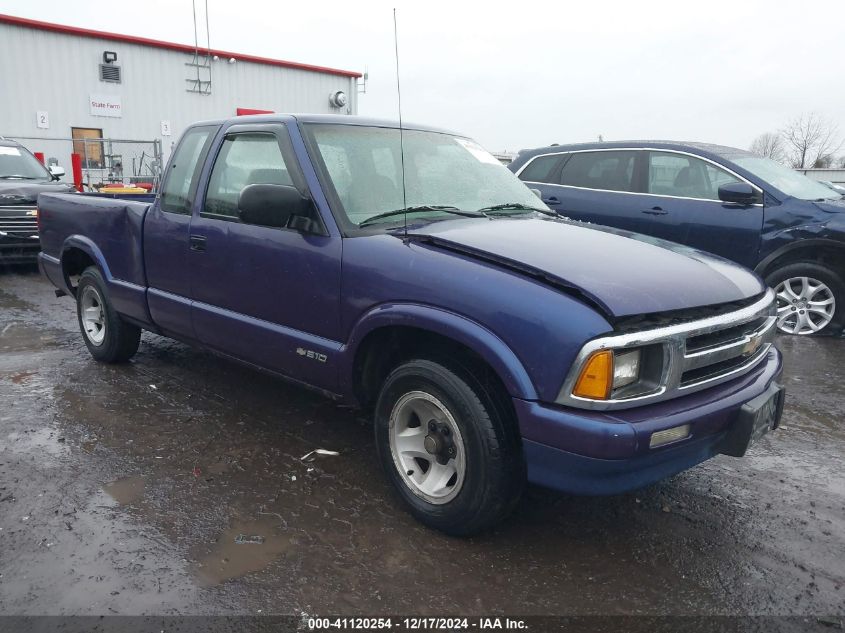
x=410 y=274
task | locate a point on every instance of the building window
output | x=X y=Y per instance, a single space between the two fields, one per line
x=90 y=150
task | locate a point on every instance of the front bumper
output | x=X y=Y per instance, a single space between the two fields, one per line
x=17 y=251
x=595 y=453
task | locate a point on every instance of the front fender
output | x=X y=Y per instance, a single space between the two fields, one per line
x=799 y=238
x=454 y=326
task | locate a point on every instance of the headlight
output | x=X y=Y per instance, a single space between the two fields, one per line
x=626 y=368
x=609 y=374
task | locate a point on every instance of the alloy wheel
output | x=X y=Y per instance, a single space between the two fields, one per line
x=805 y=305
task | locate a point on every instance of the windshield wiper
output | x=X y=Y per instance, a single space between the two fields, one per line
x=422 y=207
x=17 y=177
x=516 y=206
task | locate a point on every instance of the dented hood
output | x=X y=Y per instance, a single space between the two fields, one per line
x=623 y=273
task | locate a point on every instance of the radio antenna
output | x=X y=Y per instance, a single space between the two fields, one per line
x=401 y=135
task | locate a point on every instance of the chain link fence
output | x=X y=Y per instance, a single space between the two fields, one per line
x=104 y=160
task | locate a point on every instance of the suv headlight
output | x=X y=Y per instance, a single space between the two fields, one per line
x=609 y=374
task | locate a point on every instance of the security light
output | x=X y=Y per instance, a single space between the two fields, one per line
x=109 y=57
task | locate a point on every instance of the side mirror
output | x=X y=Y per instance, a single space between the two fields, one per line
x=739 y=193
x=537 y=193
x=56 y=171
x=272 y=205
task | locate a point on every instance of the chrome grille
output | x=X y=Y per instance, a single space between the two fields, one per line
x=729 y=350
x=17 y=222
x=696 y=354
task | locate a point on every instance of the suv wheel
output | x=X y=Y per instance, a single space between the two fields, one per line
x=449 y=447
x=109 y=338
x=810 y=299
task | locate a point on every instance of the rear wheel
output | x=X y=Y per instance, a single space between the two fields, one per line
x=449 y=446
x=109 y=338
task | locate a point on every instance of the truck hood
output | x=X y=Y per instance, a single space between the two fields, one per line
x=623 y=273
x=15 y=192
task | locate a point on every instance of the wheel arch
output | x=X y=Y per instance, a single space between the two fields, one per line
x=825 y=252
x=389 y=333
x=78 y=253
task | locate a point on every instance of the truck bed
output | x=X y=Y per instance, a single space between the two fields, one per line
x=111 y=227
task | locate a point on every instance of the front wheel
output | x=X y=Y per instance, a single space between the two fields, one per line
x=109 y=338
x=810 y=299
x=449 y=446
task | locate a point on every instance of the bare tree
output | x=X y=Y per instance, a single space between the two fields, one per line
x=809 y=138
x=824 y=162
x=769 y=145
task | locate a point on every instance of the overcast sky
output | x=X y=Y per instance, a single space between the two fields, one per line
x=523 y=74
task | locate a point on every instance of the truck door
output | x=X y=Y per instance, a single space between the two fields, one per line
x=682 y=205
x=263 y=294
x=166 y=230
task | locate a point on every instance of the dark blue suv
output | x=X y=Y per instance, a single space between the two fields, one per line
x=788 y=228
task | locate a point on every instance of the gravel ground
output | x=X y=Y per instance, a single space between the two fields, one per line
x=123 y=490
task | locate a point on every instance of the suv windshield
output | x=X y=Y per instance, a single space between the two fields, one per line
x=18 y=164
x=790 y=182
x=450 y=172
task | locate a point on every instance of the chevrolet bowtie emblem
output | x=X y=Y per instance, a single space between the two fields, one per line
x=34 y=212
x=751 y=346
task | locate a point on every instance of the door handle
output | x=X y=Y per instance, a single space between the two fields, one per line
x=198 y=243
x=551 y=200
x=655 y=211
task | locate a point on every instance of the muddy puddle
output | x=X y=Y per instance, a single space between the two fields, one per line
x=125 y=491
x=246 y=547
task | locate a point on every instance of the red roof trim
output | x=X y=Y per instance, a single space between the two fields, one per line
x=184 y=48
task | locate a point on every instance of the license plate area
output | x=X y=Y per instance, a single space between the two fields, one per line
x=756 y=418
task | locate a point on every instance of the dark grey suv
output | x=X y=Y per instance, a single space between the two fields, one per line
x=22 y=178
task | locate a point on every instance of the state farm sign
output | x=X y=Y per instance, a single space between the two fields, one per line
x=105 y=105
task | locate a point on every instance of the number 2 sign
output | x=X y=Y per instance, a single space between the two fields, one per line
x=42 y=119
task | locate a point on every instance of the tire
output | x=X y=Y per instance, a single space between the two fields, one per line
x=811 y=299
x=473 y=421
x=108 y=337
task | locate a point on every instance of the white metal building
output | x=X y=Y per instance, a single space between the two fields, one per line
x=828 y=174
x=66 y=82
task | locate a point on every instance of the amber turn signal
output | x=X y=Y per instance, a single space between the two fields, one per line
x=596 y=377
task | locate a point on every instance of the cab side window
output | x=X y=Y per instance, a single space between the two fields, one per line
x=606 y=170
x=247 y=158
x=683 y=176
